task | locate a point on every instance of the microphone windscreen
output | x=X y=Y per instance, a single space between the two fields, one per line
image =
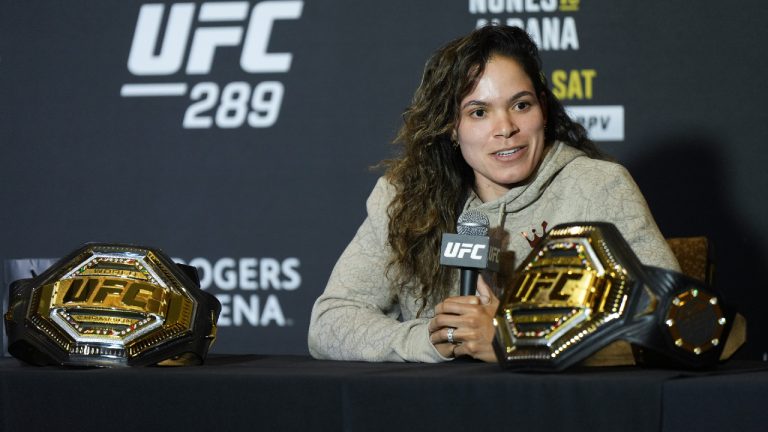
x=473 y=223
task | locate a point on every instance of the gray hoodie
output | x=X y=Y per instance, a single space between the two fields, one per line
x=359 y=316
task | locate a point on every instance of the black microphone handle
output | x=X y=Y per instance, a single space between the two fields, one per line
x=468 y=281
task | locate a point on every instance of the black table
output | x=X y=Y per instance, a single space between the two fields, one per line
x=286 y=393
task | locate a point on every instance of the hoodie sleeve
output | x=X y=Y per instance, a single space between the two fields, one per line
x=356 y=316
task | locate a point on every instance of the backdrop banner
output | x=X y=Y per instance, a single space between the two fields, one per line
x=239 y=136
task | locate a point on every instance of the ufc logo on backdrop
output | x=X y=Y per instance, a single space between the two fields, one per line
x=254 y=57
x=460 y=250
x=162 y=38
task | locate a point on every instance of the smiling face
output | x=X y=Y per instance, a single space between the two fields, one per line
x=501 y=128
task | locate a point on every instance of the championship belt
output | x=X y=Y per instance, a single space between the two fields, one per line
x=112 y=305
x=582 y=288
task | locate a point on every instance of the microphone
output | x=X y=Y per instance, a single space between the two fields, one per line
x=471 y=223
x=470 y=249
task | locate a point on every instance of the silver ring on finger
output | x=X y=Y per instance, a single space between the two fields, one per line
x=451 y=340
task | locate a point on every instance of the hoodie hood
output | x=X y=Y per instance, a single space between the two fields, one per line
x=520 y=197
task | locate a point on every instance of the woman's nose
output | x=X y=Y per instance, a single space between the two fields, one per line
x=505 y=127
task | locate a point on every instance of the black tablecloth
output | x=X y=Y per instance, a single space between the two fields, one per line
x=286 y=393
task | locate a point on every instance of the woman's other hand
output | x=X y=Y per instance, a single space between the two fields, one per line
x=463 y=325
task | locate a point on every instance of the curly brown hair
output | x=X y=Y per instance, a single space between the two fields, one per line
x=431 y=179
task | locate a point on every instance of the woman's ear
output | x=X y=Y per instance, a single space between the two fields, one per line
x=455 y=136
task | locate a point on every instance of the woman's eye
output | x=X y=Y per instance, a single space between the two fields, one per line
x=478 y=113
x=520 y=106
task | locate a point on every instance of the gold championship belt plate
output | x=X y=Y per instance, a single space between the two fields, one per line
x=582 y=288
x=112 y=305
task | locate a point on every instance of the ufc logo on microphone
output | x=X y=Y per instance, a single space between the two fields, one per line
x=460 y=250
x=147 y=58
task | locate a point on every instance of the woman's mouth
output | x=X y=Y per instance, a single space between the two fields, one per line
x=508 y=153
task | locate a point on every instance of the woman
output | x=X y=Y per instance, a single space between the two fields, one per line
x=483 y=132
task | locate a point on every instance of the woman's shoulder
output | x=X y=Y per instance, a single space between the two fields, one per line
x=378 y=202
x=584 y=169
x=593 y=179
x=381 y=195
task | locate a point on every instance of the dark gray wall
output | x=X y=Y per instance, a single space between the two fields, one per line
x=83 y=163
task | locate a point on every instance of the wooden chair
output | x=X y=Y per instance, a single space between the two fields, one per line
x=695 y=257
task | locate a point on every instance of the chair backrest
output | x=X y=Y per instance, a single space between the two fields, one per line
x=695 y=257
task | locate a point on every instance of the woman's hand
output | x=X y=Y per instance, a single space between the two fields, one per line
x=471 y=318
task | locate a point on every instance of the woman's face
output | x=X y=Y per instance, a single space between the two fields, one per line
x=501 y=128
